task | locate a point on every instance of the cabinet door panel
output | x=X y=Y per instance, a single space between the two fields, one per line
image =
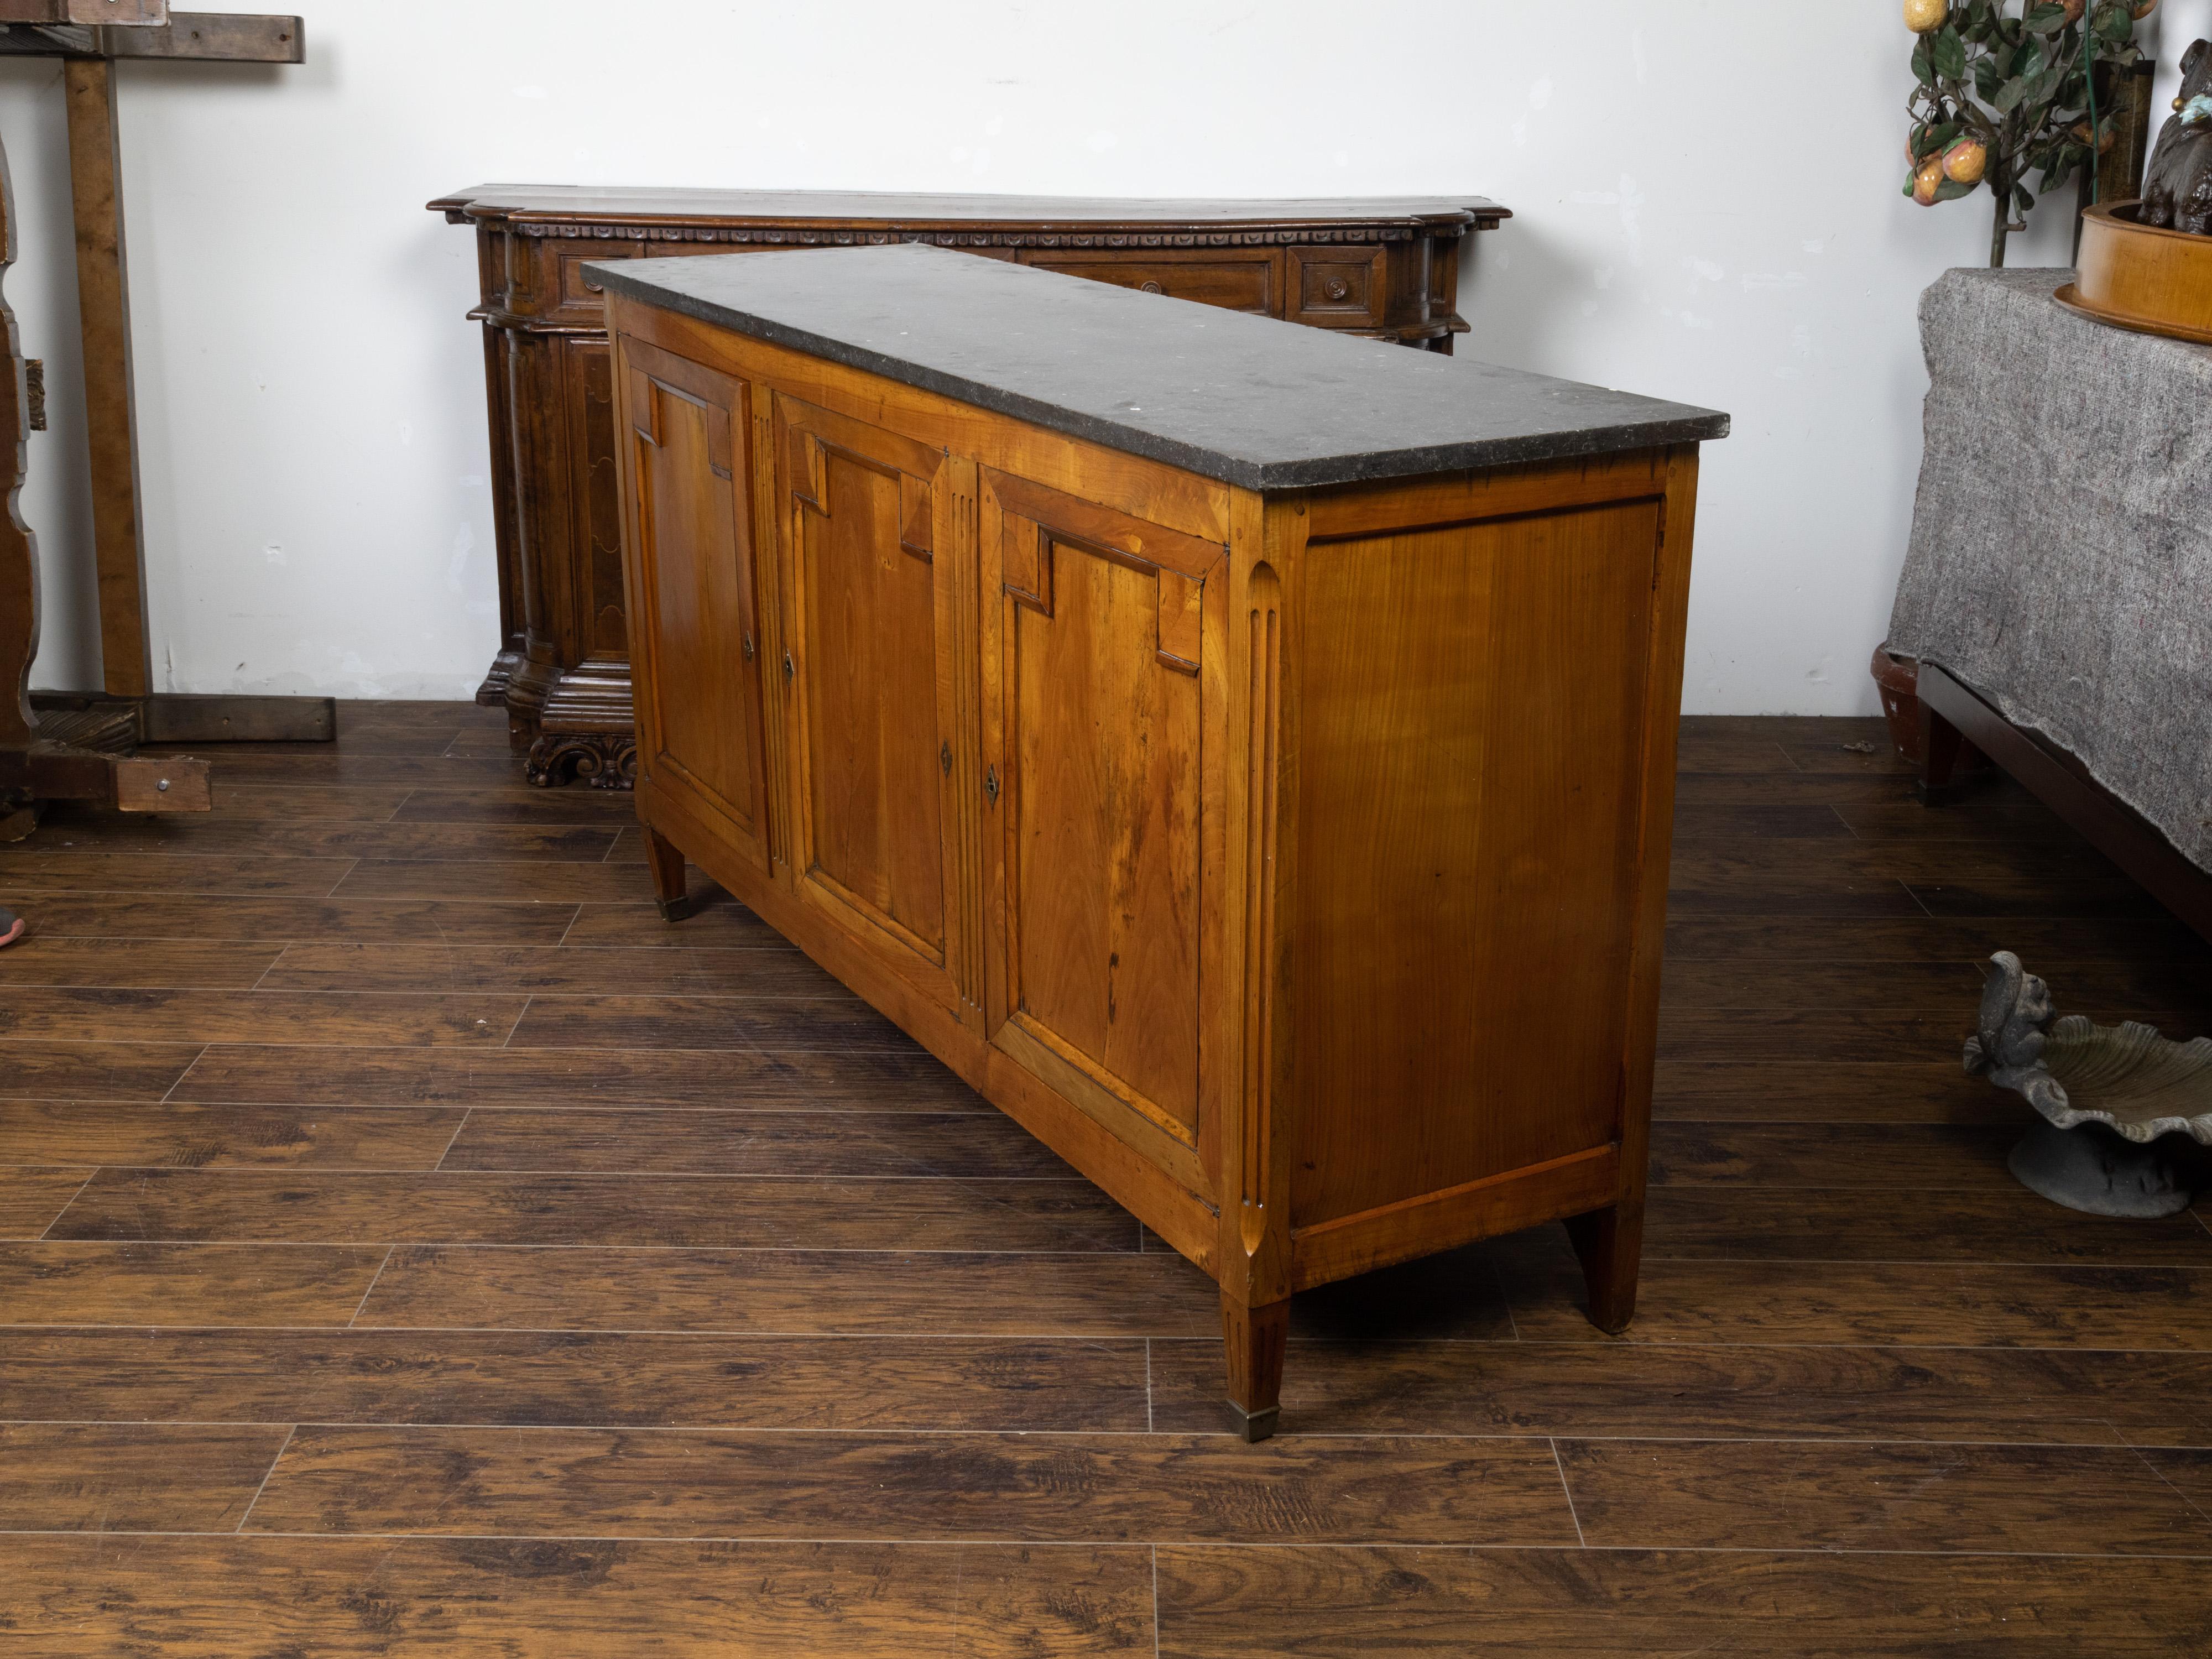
x=1097 y=721
x=698 y=686
x=871 y=667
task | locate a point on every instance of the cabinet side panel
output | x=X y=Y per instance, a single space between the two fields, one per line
x=1470 y=775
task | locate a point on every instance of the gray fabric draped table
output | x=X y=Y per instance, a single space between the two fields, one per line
x=2061 y=560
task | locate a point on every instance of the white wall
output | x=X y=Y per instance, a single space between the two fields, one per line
x=1707 y=208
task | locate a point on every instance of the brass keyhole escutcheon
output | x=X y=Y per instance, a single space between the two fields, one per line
x=749 y=647
x=788 y=671
x=945 y=757
x=991 y=784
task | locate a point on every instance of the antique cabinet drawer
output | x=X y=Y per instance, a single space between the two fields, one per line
x=1237 y=282
x=1338 y=286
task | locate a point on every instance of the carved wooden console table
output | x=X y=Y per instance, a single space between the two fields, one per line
x=1387 y=269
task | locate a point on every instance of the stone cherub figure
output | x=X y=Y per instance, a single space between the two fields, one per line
x=2012 y=1033
x=2177 y=184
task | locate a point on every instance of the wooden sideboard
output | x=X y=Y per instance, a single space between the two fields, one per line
x=1387 y=269
x=1246 y=757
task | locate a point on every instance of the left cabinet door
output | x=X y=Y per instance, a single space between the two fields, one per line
x=694 y=628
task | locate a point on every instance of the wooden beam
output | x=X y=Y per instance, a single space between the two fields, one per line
x=213 y=37
x=216 y=37
x=128 y=14
x=111 y=417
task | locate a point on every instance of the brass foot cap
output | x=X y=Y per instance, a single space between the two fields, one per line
x=1256 y=1426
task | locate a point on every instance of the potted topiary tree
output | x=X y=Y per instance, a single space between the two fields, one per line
x=2004 y=87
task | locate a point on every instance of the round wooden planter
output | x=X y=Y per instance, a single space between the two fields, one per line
x=2139 y=276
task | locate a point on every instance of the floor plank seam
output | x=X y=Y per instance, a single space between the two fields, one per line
x=466 y=1114
x=185 y=1074
x=1156 y=1600
x=371 y=1290
x=1148 y=1385
x=352 y=865
x=1567 y=1492
x=265 y=1476
x=2143 y=1454
x=56 y=1221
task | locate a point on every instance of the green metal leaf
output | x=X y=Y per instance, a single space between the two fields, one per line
x=2020 y=194
x=1951 y=190
x=1923 y=71
x=1987 y=78
x=2006 y=97
x=2045 y=19
x=1949 y=55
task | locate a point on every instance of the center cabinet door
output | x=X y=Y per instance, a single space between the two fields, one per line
x=1104 y=727
x=872 y=600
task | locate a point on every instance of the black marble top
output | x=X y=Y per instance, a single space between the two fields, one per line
x=892 y=211
x=1251 y=401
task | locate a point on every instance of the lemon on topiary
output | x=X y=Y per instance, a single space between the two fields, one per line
x=1964 y=162
x=1925 y=16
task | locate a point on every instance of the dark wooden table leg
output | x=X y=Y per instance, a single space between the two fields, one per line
x=1946 y=759
x=667 y=861
x=1255 y=1338
x=1610 y=1243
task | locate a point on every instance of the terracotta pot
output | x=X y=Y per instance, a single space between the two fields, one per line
x=1898 y=679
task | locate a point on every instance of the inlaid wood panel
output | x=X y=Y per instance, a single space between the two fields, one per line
x=686 y=427
x=870 y=600
x=1473 y=708
x=1103 y=634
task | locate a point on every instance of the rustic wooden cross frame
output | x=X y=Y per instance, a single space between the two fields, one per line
x=78 y=747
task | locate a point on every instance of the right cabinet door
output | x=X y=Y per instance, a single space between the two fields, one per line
x=1103 y=726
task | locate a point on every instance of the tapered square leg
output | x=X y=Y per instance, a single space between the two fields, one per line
x=1255 y=1338
x=667 y=862
x=1611 y=1245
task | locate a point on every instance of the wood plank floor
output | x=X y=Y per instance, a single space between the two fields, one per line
x=408 y=1245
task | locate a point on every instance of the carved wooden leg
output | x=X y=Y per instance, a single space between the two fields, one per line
x=1945 y=758
x=1611 y=1245
x=1255 y=1338
x=667 y=862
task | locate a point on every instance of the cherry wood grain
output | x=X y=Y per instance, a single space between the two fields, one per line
x=1060 y=1489
x=905 y=1385
x=111 y=1477
x=124 y=1133
x=141 y=1285
x=541 y=1599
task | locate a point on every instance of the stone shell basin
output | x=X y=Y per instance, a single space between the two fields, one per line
x=2128 y=1078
